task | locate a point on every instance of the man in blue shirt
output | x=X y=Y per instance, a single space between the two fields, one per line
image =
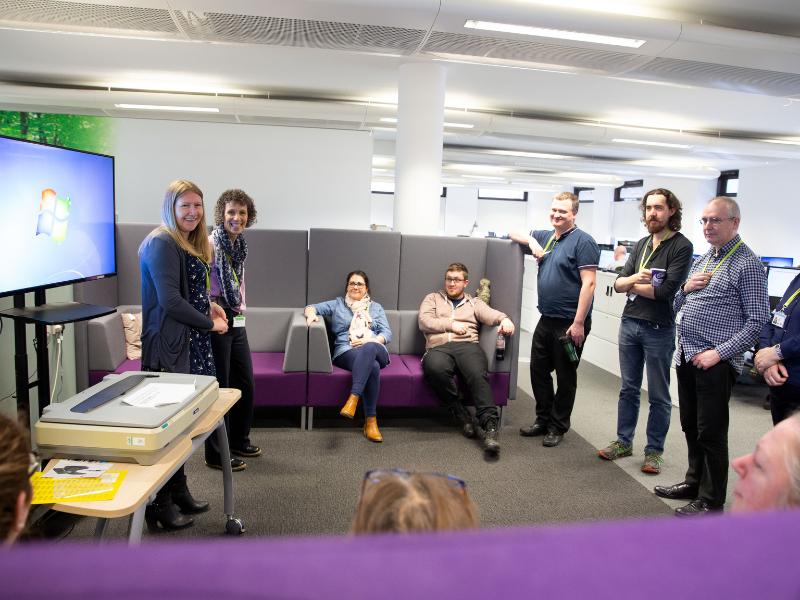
x=721 y=310
x=568 y=259
x=779 y=356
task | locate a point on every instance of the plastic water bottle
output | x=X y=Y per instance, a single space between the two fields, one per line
x=500 y=347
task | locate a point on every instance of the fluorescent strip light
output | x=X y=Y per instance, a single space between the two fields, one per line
x=446 y=124
x=787 y=142
x=484 y=177
x=555 y=33
x=647 y=143
x=201 y=109
x=524 y=154
x=499 y=65
x=684 y=175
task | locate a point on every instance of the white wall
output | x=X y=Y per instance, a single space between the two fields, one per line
x=461 y=210
x=382 y=209
x=768 y=200
x=299 y=177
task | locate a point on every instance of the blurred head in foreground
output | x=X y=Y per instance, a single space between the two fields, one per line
x=394 y=500
x=769 y=477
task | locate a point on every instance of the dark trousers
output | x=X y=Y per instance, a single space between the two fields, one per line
x=468 y=361
x=704 y=397
x=784 y=400
x=365 y=363
x=554 y=407
x=175 y=483
x=234 y=366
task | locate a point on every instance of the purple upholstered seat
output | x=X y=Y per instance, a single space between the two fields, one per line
x=331 y=389
x=423 y=395
x=124 y=367
x=273 y=387
x=744 y=556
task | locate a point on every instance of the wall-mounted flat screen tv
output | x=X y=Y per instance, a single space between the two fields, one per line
x=56 y=216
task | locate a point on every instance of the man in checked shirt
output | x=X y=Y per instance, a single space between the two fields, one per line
x=721 y=308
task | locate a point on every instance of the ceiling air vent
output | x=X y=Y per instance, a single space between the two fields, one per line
x=739 y=79
x=89 y=17
x=531 y=52
x=276 y=31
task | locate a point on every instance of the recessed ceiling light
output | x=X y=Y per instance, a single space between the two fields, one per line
x=555 y=33
x=201 y=109
x=648 y=143
x=388 y=120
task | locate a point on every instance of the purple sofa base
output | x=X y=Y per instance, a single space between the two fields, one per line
x=273 y=387
x=402 y=385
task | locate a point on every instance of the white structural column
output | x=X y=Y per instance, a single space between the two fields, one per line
x=418 y=150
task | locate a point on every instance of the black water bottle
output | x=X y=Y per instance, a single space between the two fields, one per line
x=500 y=347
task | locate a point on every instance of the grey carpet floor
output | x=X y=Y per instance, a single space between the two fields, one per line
x=308 y=482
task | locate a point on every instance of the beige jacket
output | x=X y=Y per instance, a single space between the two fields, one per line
x=436 y=317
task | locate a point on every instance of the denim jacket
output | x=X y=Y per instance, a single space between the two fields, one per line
x=340 y=317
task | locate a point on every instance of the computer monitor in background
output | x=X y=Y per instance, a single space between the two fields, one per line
x=778 y=279
x=606 y=259
x=778 y=261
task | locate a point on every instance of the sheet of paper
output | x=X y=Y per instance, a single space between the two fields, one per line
x=77 y=469
x=153 y=395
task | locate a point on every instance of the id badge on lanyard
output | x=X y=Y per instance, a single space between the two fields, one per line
x=238 y=321
x=779 y=318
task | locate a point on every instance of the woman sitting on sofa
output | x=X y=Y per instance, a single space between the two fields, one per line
x=361 y=332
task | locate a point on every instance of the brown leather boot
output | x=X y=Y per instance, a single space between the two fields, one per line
x=371 y=431
x=349 y=408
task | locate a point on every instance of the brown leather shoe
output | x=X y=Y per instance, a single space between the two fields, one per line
x=349 y=408
x=371 y=431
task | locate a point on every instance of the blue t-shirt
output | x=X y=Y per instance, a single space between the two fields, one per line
x=559 y=279
x=340 y=317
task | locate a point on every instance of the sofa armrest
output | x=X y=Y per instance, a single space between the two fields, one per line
x=319 y=353
x=106 y=341
x=488 y=341
x=295 y=356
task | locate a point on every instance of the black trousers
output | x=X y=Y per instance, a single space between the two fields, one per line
x=704 y=398
x=554 y=407
x=234 y=366
x=784 y=400
x=468 y=361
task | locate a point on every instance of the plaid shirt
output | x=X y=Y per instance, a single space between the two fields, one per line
x=729 y=312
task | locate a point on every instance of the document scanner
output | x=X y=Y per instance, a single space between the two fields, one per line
x=97 y=425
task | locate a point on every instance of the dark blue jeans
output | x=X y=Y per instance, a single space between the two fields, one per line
x=365 y=362
x=645 y=344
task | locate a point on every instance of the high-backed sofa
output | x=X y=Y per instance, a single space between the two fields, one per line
x=402 y=270
x=287 y=270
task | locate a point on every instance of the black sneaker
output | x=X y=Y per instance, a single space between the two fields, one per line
x=463 y=417
x=248 y=451
x=490 y=435
x=237 y=464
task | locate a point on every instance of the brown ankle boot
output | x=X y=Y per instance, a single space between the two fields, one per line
x=371 y=431
x=349 y=408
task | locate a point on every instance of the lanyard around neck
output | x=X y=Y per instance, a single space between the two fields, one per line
x=719 y=264
x=553 y=237
x=645 y=260
x=790 y=300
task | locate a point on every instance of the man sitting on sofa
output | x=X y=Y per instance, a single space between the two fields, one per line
x=450 y=319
